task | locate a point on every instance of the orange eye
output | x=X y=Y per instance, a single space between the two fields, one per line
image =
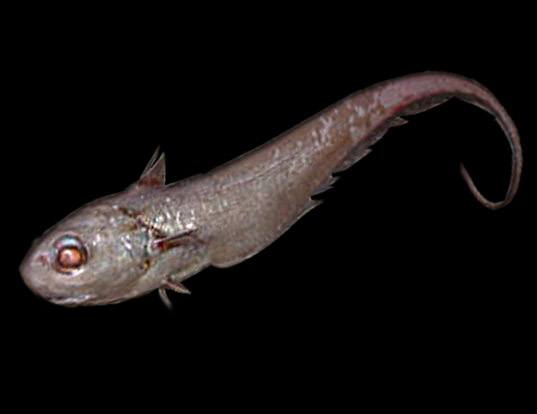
x=70 y=257
x=70 y=254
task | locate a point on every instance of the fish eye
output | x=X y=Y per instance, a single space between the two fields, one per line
x=70 y=254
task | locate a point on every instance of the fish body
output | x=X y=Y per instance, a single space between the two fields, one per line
x=153 y=236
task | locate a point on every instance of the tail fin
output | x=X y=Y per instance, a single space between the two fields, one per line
x=417 y=93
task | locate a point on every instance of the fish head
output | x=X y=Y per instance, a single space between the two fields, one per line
x=95 y=256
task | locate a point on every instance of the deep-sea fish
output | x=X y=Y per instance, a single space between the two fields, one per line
x=153 y=236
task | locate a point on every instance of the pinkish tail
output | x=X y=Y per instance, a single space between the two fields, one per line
x=416 y=93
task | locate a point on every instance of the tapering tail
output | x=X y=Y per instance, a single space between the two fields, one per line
x=417 y=93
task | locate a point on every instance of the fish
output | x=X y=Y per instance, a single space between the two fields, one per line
x=153 y=236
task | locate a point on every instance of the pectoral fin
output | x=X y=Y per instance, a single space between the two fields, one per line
x=177 y=240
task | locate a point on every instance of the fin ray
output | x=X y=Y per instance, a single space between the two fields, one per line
x=154 y=174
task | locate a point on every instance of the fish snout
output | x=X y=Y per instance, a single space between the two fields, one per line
x=40 y=277
x=34 y=269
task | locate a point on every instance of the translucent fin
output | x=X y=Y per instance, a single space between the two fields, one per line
x=365 y=147
x=176 y=287
x=352 y=159
x=327 y=185
x=152 y=161
x=163 y=293
x=309 y=206
x=398 y=121
x=154 y=174
x=165 y=243
x=425 y=105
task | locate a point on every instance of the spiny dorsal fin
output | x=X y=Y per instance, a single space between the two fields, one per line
x=154 y=174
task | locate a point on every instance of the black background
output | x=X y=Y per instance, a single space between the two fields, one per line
x=399 y=278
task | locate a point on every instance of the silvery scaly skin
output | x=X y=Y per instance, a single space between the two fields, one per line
x=154 y=236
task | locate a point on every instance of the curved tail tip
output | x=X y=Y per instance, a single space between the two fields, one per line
x=482 y=199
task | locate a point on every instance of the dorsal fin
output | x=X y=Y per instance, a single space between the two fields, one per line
x=154 y=174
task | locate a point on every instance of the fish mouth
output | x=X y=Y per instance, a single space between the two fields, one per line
x=70 y=301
